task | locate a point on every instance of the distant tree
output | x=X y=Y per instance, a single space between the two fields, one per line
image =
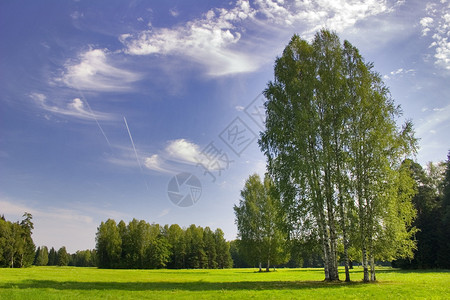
x=444 y=236
x=210 y=248
x=223 y=255
x=195 y=254
x=158 y=253
x=41 y=258
x=108 y=244
x=428 y=204
x=85 y=258
x=259 y=221
x=63 y=257
x=238 y=260
x=52 y=257
x=175 y=237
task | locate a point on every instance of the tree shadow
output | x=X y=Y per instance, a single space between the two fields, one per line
x=171 y=286
x=421 y=271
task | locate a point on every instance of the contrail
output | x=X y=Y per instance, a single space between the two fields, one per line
x=135 y=152
x=95 y=118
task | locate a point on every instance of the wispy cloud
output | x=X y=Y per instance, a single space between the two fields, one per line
x=400 y=72
x=174 y=12
x=219 y=42
x=434 y=121
x=95 y=71
x=75 y=108
x=437 y=24
x=164 y=213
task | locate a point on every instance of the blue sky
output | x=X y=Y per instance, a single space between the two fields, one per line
x=103 y=102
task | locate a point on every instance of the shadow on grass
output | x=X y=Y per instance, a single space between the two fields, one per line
x=185 y=286
x=412 y=271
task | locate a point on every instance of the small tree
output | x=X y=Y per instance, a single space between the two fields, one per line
x=41 y=258
x=63 y=257
x=258 y=216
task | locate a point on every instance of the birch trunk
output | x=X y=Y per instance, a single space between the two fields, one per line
x=364 y=263
x=372 y=269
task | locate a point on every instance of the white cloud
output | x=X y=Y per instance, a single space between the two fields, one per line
x=333 y=14
x=182 y=150
x=239 y=108
x=156 y=163
x=437 y=23
x=426 y=23
x=399 y=73
x=218 y=42
x=167 y=160
x=94 y=71
x=208 y=41
x=75 y=108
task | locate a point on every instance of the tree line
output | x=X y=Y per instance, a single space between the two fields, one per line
x=140 y=245
x=83 y=258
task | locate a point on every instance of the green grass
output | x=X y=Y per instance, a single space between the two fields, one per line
x=91 y=283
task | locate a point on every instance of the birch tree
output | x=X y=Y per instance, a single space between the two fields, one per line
x=334 y=150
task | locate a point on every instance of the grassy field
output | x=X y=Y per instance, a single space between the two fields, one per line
x=91 y=283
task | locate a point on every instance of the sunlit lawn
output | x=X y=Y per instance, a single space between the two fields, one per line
x=92 y=283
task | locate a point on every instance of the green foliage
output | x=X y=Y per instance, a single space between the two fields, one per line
x=63 y=257
x=17 y=248
x=41 y=258
x=334 y=151
x=84 y=258
x=52 y=257
x=444 y=236
x=141 y=245
x=109 y=244
x=429 y=201
x=223 y=255
x=259 y=219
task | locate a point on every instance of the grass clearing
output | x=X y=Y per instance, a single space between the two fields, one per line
x=92 y=283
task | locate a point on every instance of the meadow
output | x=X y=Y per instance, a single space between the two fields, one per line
x=92 y=283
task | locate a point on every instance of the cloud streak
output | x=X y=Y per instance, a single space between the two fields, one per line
x=437 y=119
x=94 y=71
x=134 y=148
x=75 y=108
